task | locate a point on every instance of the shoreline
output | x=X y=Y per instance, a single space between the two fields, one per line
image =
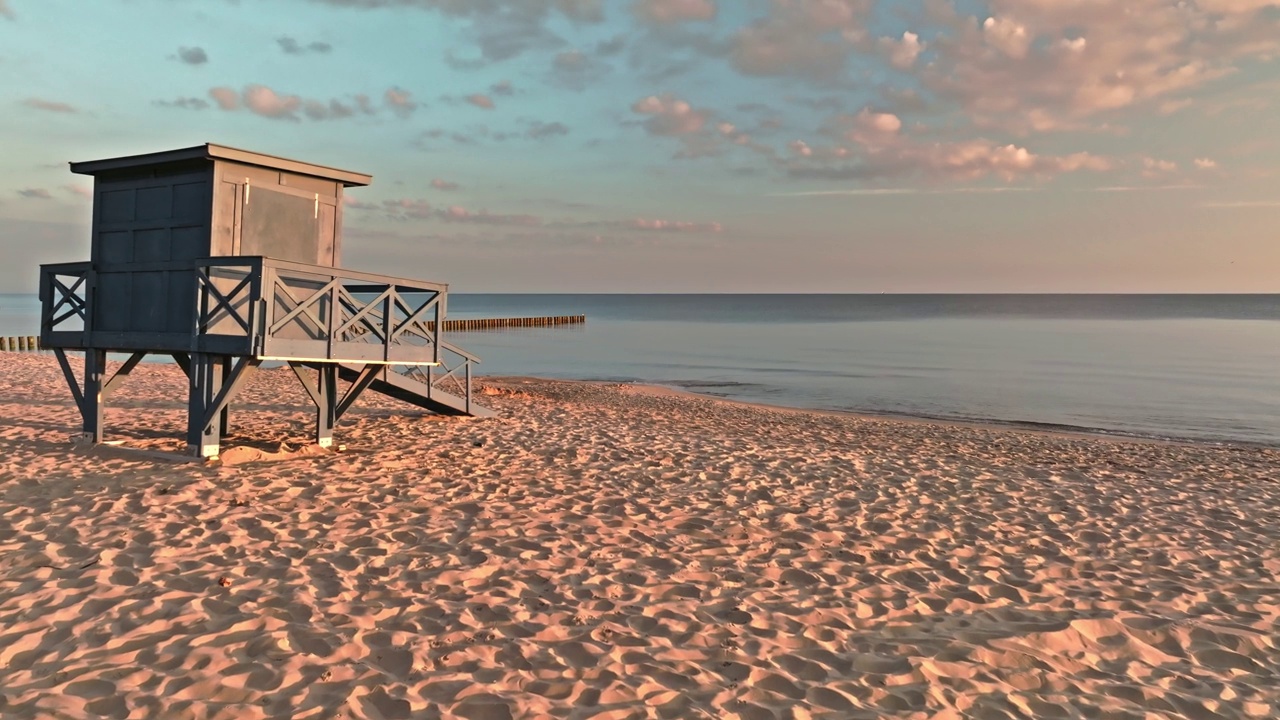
x=1030 y=426
x=1027 y=426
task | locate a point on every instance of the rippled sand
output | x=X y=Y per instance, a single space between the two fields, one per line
x=616 y=552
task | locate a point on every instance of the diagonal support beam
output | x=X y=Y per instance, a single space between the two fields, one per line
x=367 y=375
x=71 y=379
x=307 y=385
x=118 y=379
x=235 y=380
x=184 y=362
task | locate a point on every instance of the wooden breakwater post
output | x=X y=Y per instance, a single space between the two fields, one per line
x=19 y=343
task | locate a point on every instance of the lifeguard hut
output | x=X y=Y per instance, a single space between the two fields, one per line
x=224 y=259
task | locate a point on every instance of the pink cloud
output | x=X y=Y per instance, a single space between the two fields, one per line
x=269 y=103
x=1044 y=66
x=226 y=98
x=666 y=12
x=670 y=115
x=80 y=190
x=460 y=214
x=444 y=185
x=5 y=12
x=354 y=204
x=262 y=100
x=805 y=38
x=879 y=148
x=406 y=208
x=400 y=101
x=674 y=226
x=902 y=53
x=481 y=101
x=49 y=105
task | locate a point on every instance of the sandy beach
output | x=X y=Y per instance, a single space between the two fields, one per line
x=613 y=551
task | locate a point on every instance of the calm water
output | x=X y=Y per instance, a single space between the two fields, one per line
x=1199 y=367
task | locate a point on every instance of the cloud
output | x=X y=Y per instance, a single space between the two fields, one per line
x=872 y=192
x=186 y=103
x=460 y=214
x=502 y=89
x=293 y=47
x=49 y=105
x=332 y=110
x=36 y=194
x=877 y=148
x=1045 y=66
x=5 y=12
x=193 y=55
x=669 y=115
x=1155 y=167
x=673 y=226
x=1205 y=164
x=483 y=102
x=501 y=29
x=1242 y=204
x=902 y=53
x=269 y=103
x=666 y=12
x=79 y=190
x=444 y=185
x=350 y=202
x=400 y=101
x=407 y=209
x=262 y=100
x=575 y=70
x=226 y=98
x=809 y=39
x=539 y=130
x=611 y=47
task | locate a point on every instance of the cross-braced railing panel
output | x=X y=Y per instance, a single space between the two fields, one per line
x=64 y=298
x=322 y=315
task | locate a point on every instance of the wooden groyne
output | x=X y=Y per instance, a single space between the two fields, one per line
x=500 y=323
x=28 y=343
x=21 y=343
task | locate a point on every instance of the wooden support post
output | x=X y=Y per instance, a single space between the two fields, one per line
x=206 y=381
x=224 y=417
x=95 y=366
x=326 y=403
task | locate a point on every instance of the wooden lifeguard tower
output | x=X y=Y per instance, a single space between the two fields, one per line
x=224 y=259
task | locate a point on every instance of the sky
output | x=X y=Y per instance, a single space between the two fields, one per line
x=690 y=145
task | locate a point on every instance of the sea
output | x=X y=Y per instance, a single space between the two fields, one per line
x=1187 y=367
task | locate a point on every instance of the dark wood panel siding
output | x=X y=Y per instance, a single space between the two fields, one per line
x=161 y=216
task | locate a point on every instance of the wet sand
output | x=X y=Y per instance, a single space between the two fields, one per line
x=605 y=551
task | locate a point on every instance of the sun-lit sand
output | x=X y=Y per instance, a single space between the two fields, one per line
x=615 y=552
